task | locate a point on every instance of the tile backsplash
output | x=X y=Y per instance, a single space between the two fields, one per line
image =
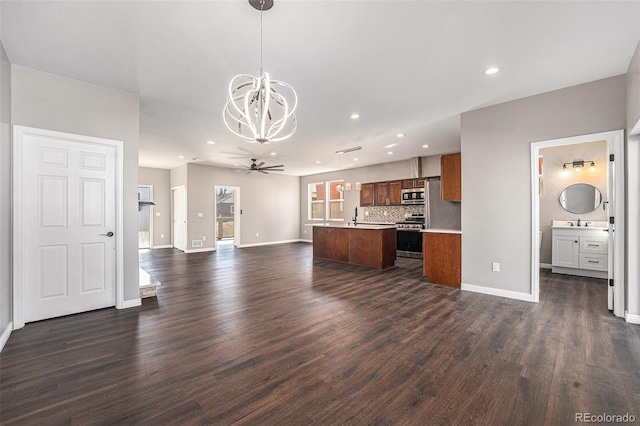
x=394 y=213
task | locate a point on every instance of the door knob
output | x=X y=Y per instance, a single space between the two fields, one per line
x=108 y=234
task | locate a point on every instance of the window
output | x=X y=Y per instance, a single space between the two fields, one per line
x=331 y=192
x=336 y=200
x=316 y=201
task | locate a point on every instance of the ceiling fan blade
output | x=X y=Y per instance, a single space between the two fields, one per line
x=271 y=167
x=273 y=170
x=260 y=165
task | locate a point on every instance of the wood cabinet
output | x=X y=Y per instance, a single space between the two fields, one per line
x=365 y=246
x=579 y=251
x=413 y=183
x=367 y=191
x=385 y=193
x=451 y=176
x=442 y=254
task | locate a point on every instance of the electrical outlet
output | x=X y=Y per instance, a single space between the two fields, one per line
x=200 y=214
x=204 y=238
x=305 y=231
x=495 y=267
x=257 y=234
x=161 y=235
x=366 y=213
x=386 y=213
x=157 y=213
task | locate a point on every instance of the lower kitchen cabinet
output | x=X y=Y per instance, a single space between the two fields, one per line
x=442 y=257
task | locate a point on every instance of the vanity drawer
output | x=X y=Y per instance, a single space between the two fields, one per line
x=595 y=245
x=595 y=262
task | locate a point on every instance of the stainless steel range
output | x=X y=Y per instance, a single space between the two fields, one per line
x=409 y=241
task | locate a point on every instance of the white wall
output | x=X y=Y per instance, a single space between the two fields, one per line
x=495 y=141
x=269 y=204
x=52 y=102
x=554 y=182
x=375 y=173
x=633 y=187
x=160 y=179
x=6 y=312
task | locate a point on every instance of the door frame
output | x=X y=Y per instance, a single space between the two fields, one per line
x=615 y=144
x=151 y=216
x=236 y=214
x=19 y=132
x=173 y=237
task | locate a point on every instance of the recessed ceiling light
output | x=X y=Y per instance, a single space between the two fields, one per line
x=425 y=146
x=236 y=164
x=355 y=159
x=391 y=145
x=400 y=135
x=355 y=116
x=272 y=153
x=211 y=142
x=180 y=156
x=318 y=162
x=390 y=152
x=491 y=71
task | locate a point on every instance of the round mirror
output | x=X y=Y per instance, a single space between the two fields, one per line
x=580 y=198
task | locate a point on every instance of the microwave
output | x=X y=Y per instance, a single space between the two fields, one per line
x=413 y=196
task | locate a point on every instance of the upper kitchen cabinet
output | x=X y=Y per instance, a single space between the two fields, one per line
x=366 y=194
x=412 y=183
x=450 y=170
x=388 y=193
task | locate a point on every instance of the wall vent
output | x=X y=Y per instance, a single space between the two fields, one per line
x=196 y=243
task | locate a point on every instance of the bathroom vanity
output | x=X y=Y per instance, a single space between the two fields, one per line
x=580 y=250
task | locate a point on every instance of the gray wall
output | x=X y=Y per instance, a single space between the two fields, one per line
x=633 y=186
x=555 y=181
x=375 y=173
x=52 y=102
x=269 y=205
x=496 y=183
x=6 y=312
x=160 y=179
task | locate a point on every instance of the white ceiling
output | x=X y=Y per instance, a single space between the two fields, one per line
x=404 y=66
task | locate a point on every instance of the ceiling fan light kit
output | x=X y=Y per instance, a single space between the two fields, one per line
x=255 y=111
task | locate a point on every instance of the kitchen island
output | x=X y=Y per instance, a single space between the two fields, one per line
x=366 y=245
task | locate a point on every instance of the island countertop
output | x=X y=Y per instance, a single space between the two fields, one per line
x=442 y=231
x=351 y=226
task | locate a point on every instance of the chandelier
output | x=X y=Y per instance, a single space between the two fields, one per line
x=255 y=110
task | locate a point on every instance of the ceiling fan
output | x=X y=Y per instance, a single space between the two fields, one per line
x=262 y=168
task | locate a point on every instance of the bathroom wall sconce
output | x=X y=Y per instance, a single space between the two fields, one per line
x=578 y=165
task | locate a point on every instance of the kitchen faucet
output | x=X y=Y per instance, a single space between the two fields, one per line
x=578 y=221
x=355 y=218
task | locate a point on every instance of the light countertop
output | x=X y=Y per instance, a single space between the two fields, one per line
x=351 y=226
x=442 y=231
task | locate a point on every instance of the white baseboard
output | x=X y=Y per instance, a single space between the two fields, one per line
x=306 y=241
x=130 y=303
x=545 y=265
x=631 y=318
x=164 y=246
x=200 y=250
x=5 y=335
x=270 y=243
x=497 y=292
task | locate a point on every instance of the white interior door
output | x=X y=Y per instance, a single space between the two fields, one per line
x=69 y=205
x=179 y=219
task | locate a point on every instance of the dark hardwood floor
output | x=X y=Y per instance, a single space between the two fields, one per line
x=268 y=336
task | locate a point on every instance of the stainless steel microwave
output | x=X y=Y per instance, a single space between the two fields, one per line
x=413 y=196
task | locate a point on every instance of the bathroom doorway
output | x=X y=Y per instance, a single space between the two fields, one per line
x=558 y=164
